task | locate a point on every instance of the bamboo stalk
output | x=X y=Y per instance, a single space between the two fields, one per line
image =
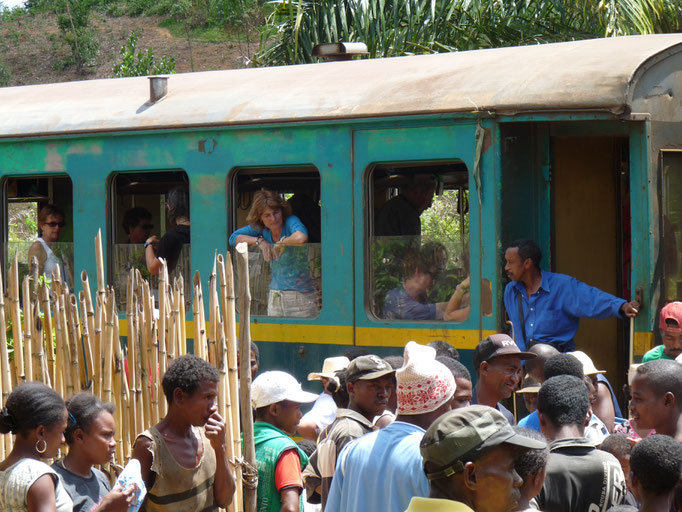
x=89 y=332
x=44 y=293
x=5 y=375
x=38 y=345
x=78 y=356
x=13 y=291
x=162 y=327
x=183 y=315
x=89 y=360
x=131 y=352
x=224 y=397
x=98 y=359
x=28 y=329
x=232 y=373
x=245 y=369
x=108 y=349
x=145 y=341
x=121 y=390
x=63 y=357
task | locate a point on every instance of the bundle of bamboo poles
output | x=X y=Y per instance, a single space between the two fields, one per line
x=72 y=343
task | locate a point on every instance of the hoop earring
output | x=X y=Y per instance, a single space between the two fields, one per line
x=44 y=446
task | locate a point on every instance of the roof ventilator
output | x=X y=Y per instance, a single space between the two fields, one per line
x=339 y=51
x=158 y=88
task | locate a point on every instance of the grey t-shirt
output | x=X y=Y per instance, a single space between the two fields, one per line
x=85 y=492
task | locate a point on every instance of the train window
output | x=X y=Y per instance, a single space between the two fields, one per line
x=150 y=206
x=277 y=212
x=671 y=241
x=40 y=223
x=418 y=242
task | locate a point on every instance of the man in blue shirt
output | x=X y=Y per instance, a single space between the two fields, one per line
x=546 y=307
x=382 y=470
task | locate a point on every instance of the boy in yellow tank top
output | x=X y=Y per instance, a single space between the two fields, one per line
x=184 y=466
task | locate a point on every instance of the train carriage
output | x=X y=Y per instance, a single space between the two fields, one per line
x=575 y=144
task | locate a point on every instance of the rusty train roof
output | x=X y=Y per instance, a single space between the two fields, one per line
x=595 y=74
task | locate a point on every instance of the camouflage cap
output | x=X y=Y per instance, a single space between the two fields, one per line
x=367 y=368
x=464 y=435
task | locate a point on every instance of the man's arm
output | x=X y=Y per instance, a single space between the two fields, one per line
x=603 y=406
x=290 y=500
x=223 y=485
x=41 y=495
x=591 y=302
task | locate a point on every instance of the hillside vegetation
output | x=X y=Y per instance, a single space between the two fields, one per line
x=33 y=50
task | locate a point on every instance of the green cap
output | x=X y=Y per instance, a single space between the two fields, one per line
x=367 y=368
x=464 y=435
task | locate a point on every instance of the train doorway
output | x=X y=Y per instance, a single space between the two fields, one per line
x=590 y=235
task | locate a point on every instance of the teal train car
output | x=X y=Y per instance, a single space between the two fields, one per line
x=577 y=145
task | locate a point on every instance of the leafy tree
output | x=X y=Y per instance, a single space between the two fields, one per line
x=73 y=20
x=135 y=62
x=4 y=76
x=404 y=27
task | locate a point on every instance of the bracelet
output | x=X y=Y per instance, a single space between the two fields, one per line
x=147 y=244
x=259 y=240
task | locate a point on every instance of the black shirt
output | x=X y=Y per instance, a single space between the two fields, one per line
x=171 y=244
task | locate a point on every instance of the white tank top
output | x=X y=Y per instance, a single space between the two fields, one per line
x=52 y=262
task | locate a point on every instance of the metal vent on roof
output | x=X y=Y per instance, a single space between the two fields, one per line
x=339 y=51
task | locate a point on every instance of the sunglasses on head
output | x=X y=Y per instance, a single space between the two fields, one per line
x=55 y=224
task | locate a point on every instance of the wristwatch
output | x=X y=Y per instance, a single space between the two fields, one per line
x=147 y=244
x=259 y=240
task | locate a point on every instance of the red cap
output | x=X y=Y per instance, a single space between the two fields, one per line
x=672 y=311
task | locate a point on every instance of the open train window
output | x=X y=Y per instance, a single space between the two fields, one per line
x=418 y=233
x=671 y=233
x=39 y=222
x=149 y=206
x=276 y=210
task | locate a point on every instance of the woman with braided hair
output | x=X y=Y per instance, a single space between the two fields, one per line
x=36 y=415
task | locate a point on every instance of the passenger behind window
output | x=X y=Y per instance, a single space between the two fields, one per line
x=272 y=228
x=170 y=245
x=400 y=216
x=409 y=301
x=50 y=224
x=137 y=223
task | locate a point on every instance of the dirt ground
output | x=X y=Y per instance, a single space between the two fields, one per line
x=33 y=53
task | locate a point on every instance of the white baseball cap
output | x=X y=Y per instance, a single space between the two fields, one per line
x=272 y=387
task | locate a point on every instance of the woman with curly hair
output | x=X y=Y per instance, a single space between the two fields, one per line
x=272 y=228
x=36 y=415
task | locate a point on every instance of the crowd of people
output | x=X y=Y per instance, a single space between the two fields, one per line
x=400 y=433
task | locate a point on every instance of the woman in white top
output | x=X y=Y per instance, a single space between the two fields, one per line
x=50 y=224
x=36 y=415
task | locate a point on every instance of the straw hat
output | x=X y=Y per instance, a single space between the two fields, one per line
x=330 y=366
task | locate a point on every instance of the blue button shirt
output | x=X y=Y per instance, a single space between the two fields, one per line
x=553 y=313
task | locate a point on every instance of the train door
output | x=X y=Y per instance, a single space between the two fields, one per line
x=590 y=234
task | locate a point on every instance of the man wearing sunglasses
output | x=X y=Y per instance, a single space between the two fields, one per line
x=50 y=224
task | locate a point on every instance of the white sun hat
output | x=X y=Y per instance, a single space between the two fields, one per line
x=588 y=366
x=272 y=387
x=330 y=366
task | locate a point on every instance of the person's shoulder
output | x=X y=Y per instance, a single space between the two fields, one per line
x=653 y=354
x=102 y=478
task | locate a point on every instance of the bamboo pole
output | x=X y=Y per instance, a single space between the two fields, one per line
x=131 y=353
x=232 y=373
x=121 y=389
x=28 y=329
x=108 y=348
x=15 y=310
x=225 y=396
x=89 y=332
x=145 y=342
x=5 y=375
x=98 y=359
x=183 y=315
x=40 y=373
x=44 y=293
x=162 y=329
x=78 y=355
x=245 y=369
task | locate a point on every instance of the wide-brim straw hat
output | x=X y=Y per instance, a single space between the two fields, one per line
x=330 y=366
x=588 y=366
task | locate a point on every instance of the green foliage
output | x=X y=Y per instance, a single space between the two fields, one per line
x=4 y=76
x=404 y=27
x=73 y=20
x=135 y=62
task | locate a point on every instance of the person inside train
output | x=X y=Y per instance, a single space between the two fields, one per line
x=546 y=307
x=274 y=230
x=409 y=300
x=400 y=216
x=171 y=243
x=183 y=458
x=137 y=223
x=50 y=224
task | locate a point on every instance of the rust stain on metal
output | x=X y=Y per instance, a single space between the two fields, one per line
x=53 y=159
x=207 y=145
